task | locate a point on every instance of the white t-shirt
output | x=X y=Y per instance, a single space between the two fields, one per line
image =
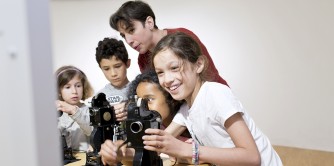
x=115 y=95
x=205 y=120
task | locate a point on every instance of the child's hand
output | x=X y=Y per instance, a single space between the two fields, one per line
x=121 y=113
x=65 y=107
x=110 y=153
x=162 y=142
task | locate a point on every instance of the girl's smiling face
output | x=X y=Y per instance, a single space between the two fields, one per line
x=178 y=76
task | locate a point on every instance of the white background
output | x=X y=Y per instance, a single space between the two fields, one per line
x=277 y=56
x=29 y=134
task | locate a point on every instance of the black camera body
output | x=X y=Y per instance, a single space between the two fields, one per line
x=139 y=119
x=103 y=119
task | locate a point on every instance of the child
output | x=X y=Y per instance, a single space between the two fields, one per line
x=135 y=20
x=223 y=132
x=73 y=86
x=146 y=85
x=112 y=57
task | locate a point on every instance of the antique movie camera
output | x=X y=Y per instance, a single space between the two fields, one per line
x=102 y=118
x=139 y=119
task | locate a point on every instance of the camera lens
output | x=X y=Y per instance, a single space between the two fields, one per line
x=136 y=127
x=92 y=112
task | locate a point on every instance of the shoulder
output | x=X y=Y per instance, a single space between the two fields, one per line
x=184 y=108
x=108 y=85
x=215 y=87
x=174 y=30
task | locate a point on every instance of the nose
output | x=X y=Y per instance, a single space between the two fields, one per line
x=113 y=72
x=168 y=78
x=128 y=39
x=74 y=89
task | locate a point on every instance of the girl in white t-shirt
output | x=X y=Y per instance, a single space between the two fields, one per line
x=223 y=132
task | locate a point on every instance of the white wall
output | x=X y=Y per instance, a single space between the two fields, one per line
x=277 y=56
x=28 y=119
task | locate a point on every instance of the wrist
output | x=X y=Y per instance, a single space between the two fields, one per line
x=74 y=110
x=195 y=153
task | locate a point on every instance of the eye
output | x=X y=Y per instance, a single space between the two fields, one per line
x=131 y=30
x=149 y=99
x=160 y=74
x=175 y=68
x=106 y=69
x=118 y=66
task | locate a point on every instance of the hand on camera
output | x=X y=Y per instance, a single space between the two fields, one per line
x=110 y=152
x=121 y=113
x=65 y=107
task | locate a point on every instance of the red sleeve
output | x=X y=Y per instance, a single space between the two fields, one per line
x=144 y=61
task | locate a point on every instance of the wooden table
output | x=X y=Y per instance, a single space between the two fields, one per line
x=82 y=161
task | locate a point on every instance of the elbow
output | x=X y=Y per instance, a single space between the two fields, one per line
x=255 y=160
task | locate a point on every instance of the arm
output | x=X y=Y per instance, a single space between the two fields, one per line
x=245 y=151
x=165 y=141
x=81 y=117
x=175 y=129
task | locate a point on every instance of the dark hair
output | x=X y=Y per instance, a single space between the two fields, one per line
x=184 y=46
x=151 y=77
x=130 y=11
x=109 y=47
x=66 y=73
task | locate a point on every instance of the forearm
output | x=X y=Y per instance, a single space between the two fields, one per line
x=81 y=117
x=227 y=156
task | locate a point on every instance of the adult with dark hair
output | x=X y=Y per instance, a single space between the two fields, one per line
x=136 y=22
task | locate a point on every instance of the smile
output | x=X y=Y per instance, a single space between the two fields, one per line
x=174 y=87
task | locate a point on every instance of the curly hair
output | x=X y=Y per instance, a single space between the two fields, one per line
x=109 y=47
x=65 y=74
x=151 y=77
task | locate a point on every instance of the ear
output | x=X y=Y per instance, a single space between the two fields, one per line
x=128 y=63
x=149 y=23
x=200 y=64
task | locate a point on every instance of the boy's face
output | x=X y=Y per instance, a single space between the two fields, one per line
x=115 y=71
x=139 y=37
